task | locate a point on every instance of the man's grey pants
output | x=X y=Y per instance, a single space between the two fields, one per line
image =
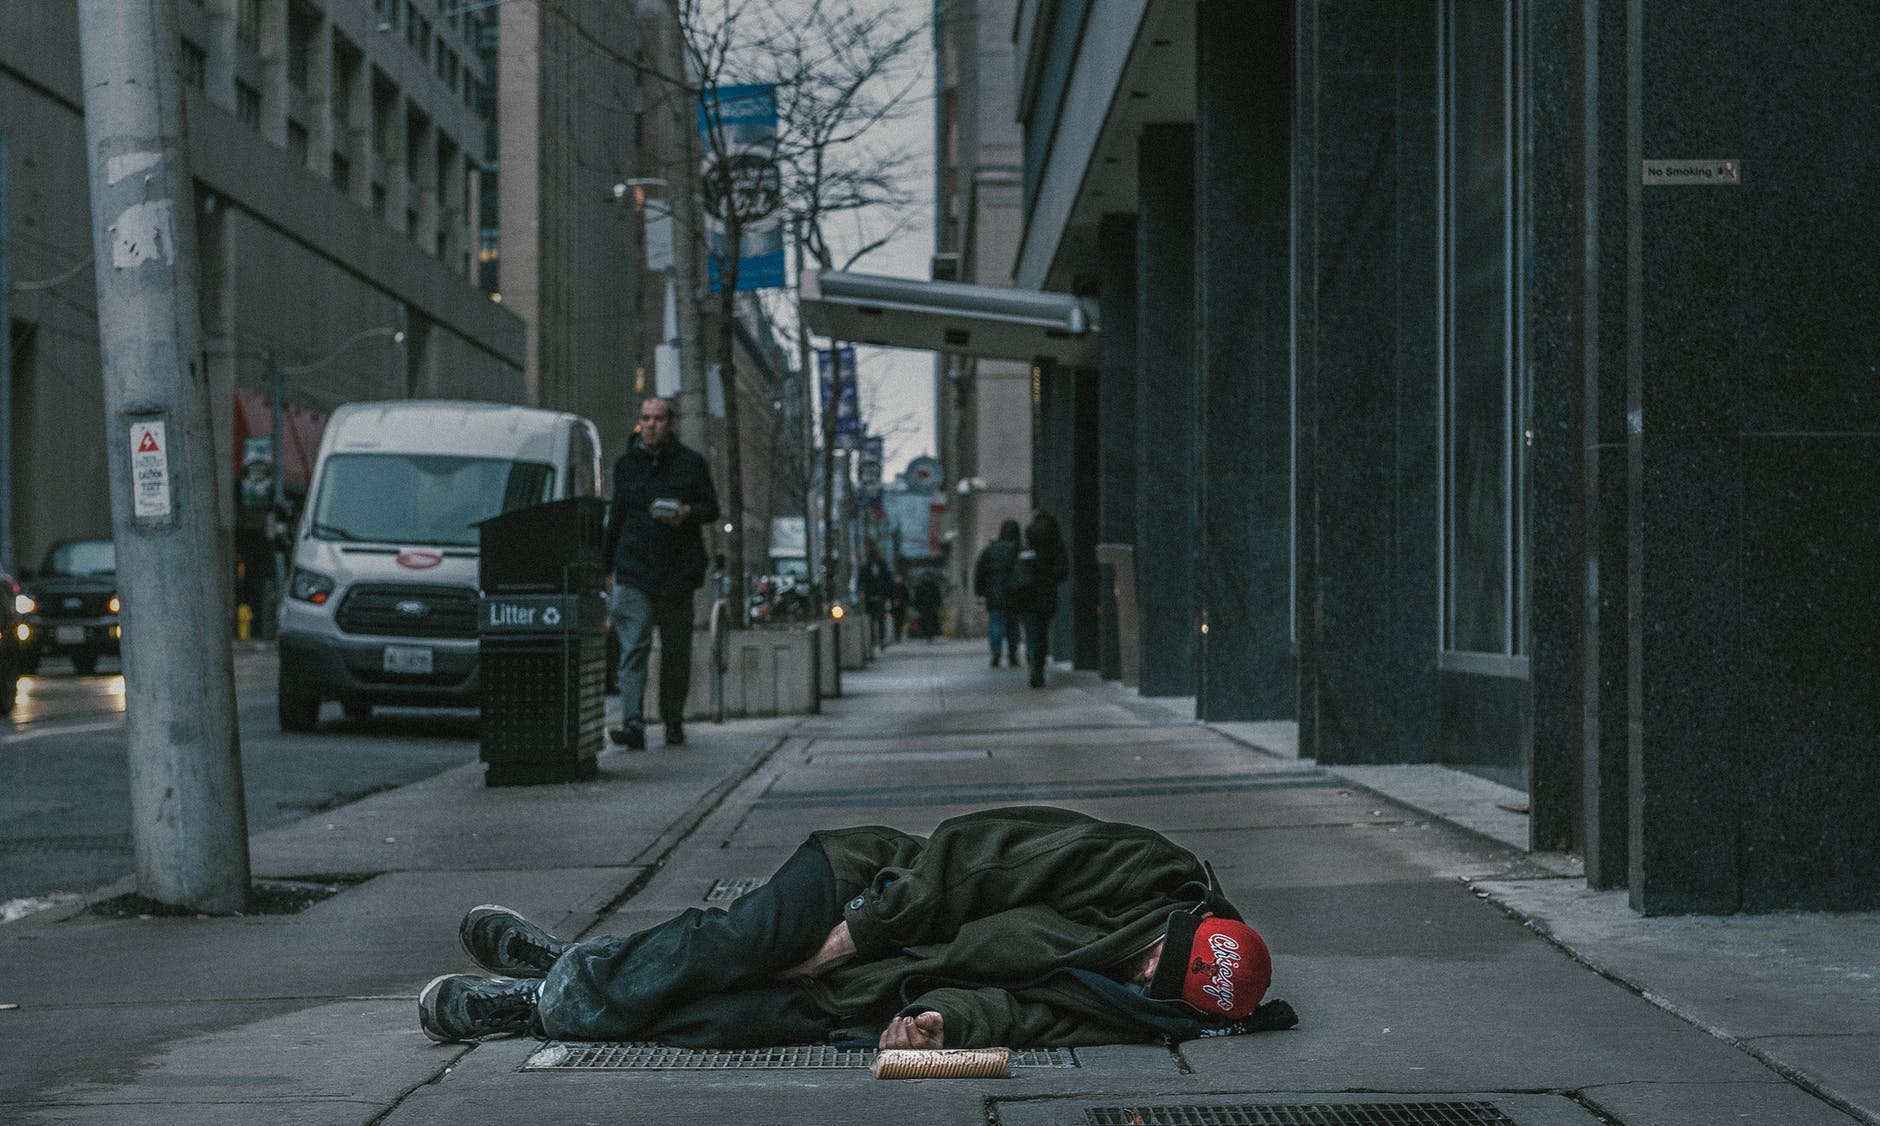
x=635 y=614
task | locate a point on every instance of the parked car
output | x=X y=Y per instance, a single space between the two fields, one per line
x=71 y=606
x=12 y=636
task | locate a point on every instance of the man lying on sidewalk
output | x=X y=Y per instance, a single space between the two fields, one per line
x=1022 y=927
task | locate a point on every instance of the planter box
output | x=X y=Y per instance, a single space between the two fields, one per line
x=768 y=672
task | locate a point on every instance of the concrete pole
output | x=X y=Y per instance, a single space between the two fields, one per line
x=812 y=514
x=6 y=353
x=188 y=825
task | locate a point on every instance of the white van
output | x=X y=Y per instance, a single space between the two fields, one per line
x=381 y=604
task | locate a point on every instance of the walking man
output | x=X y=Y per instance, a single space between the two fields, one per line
x=877 y=583
x=663 y=495
x=1021 y=927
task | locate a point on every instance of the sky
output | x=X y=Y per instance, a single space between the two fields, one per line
x=897 y=385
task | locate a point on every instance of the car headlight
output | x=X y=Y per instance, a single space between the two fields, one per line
x=24 y=604
x=114 y=605
x=309 y=586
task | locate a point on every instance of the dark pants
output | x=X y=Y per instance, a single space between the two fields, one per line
x=1037 y=639
x=704 y=979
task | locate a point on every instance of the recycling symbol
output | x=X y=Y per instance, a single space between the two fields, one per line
x=551 y=616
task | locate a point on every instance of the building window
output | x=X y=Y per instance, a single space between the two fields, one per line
x=1484 y=393
x=195 y=66
x=303 y=26
x=342 y=173
x=297 y=143
x=247 y=104
x=248 y=23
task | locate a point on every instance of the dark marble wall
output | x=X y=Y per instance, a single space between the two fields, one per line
x=1166 y=410
x=1605 y=179
x=1372 y=620
x=1083 y=592
x=1060 y=395
x=1544 y=748
x=1116 y=413
x=1306 y=269
x=1243 y=315
x=1755 y=452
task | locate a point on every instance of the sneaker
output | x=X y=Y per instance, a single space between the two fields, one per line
x=632 y=738
x=503 y=942
x=675 y=734
x=465 y=1007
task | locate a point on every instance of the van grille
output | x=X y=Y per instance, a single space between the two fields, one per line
x=449 y=611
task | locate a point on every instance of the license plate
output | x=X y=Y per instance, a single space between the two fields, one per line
x=70 y=635
x=407 y=659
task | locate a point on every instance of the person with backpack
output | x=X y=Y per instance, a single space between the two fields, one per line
x=1042 y=564
x=992 y=582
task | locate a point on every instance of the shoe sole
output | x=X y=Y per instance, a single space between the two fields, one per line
x=463 y=940
x=427 y=1010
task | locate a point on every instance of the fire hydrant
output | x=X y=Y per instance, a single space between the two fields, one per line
x=244 y=621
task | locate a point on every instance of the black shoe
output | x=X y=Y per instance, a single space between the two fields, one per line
x=464 y=1007
x=503 y=942
x=632 y=738
x=995 y=660
x=1037 y=678
x=675 y=734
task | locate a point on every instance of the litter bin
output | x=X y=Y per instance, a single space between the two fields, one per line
x=542 y=642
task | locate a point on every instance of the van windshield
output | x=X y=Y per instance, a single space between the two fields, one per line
x=431 y=499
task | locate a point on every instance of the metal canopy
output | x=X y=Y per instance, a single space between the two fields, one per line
x=988 y=321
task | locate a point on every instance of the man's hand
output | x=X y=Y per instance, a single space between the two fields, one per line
x=836 y=949
x=679 y=517
x=922 y=1030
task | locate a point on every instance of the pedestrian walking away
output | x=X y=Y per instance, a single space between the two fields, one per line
x=897 y=605
x=663 y=495
x=1042 y=565
x=1018 y=927
x=877 y=583
x=992 y=582
x=927 y=604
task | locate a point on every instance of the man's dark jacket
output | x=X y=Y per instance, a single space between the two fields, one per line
x=661 y=560
x=1011 y=923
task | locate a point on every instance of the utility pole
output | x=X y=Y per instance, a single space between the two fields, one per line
x=6 y=351
x=189 y=827
x=820 y=593
x=682 y=149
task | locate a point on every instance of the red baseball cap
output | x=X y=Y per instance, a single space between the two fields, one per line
x=1217 y=966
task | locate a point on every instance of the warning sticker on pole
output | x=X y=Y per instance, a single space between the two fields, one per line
x=150 y=471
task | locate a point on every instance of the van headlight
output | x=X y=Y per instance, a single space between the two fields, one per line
x=309 y=586
x=24 y=604
x=114 y=605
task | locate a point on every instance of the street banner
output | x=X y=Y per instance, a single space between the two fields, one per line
x=849 y=414
x=738 y=135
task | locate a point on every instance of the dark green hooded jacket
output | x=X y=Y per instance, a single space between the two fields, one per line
x=1011 y=923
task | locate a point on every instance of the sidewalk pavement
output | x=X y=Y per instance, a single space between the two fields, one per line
x=1440 y=974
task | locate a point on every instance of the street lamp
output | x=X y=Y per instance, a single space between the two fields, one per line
x=276 y=373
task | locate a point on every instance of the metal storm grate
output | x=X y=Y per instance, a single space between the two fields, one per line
x=724 y=891
x=564 y=1054
x=1303 y=1114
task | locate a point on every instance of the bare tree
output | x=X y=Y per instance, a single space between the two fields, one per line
x=838 y=69
x=846 y=72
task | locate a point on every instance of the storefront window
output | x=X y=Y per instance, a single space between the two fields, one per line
x=1483 y=407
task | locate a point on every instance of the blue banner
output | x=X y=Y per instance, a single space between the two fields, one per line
x=849 y=413
x=738 y=135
